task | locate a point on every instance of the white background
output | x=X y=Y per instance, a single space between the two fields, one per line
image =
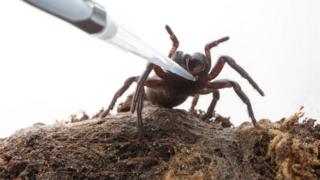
x=49 y=69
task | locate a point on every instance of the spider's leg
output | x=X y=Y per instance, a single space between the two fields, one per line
x=137 y=101
x=210 y=110
x=220 y=84
x=175 y=45
x=210 y=45
x=175 y=42
x=226 y=59
x=139 y=114
x=150 y=83
x=140 y=86
x=195 y=100
x=119 y=93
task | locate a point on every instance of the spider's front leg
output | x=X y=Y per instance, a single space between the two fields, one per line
x=141 y=82
x=137 y=101
x=139 y=113
x=140 y=86
x=175 y=44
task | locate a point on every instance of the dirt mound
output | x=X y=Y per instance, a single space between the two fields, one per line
x=177 y=145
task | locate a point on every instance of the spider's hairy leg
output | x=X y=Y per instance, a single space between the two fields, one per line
x=226 y=59
x=127 y=84
x=220 y=84
x=175 y=44
x=210 y=111
x=139 y=114
x=195 y=100
x=140 y=86
x=137 y=101
x=213 y=103
x=210 y=45
x=119 y=93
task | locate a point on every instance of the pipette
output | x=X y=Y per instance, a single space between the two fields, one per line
x=93 y=19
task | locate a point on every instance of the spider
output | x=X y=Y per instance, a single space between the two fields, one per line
x=169 y=90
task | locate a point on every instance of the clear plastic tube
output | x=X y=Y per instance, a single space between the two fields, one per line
x=127 y=41
x=72 y=10
x=90 y=17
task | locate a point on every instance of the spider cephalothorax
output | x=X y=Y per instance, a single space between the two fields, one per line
x=195 y=64
x=169 y=90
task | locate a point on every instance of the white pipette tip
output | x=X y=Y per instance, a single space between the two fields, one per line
x=125 y=40
x=92 y=18
x=168 y=64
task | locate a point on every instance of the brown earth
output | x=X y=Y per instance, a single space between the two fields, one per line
x=177 y=145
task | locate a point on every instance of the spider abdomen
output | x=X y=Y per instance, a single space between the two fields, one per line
x=166 y=96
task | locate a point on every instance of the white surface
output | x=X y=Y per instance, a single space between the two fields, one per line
x=49 y=69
